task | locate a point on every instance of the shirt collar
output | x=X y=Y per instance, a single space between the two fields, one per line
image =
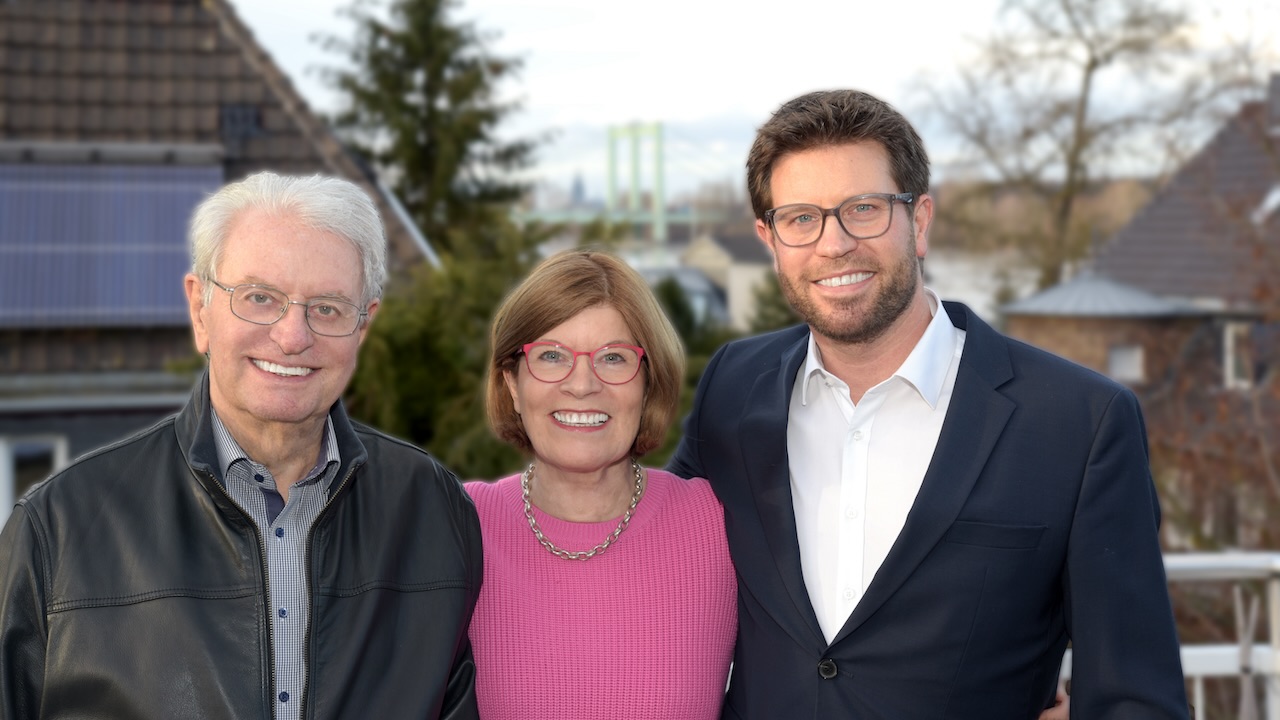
x=230 y=452
x=925 y=369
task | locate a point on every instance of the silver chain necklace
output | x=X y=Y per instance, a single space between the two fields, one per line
x=586 y=554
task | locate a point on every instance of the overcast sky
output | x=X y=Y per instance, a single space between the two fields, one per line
x=710 y=72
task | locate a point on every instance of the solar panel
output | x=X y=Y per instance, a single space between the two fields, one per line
x=96 y=245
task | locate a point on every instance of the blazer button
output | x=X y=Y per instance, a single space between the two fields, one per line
x=827 y=668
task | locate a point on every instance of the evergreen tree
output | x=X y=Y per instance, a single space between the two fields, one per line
x=421 y=102
x=679 y=310
x=420 y=96
x=422 y=368
x=772 y=310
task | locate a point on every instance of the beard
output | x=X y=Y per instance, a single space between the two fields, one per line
x=857 y=321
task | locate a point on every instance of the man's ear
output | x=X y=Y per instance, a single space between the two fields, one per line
x=196 y=307
x=922 y=213
x=765 y=234
x=368 y=320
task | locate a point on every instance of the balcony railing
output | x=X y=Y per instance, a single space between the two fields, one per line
x=1200 y=662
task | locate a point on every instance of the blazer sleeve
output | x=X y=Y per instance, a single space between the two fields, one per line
x=686 y=461
x=23 y=632
x=1125 y=656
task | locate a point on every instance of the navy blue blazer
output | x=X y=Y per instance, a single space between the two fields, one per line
x=1036 y=524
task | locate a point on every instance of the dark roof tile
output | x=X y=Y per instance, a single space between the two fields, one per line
x=1195 y=240
x=160 y=72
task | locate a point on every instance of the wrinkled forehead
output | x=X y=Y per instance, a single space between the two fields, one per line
x=281 y=251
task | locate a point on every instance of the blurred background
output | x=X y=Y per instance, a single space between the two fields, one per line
x=1106 y=172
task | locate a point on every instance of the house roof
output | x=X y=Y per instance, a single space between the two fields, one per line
x=1091 y=295
x=1211 y=236
x=181 y=73
x=745 y=248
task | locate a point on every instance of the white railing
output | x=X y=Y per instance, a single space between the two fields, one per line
x=1208 y=661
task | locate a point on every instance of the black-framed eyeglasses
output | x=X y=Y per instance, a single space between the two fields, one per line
x=265 y=305
x=862 y=217
x=552 y=362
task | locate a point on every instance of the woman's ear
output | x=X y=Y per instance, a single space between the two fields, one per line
x=509 y=378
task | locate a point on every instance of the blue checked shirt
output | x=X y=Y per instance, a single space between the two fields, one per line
x=284 y=528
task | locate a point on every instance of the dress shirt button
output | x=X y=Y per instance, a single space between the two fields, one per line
x=827 y=668
x=284 y=697
x=258 y=477
x=857 y=434
x=848 y=594
x=284 y=613
x=851 y=513
x=279 y=532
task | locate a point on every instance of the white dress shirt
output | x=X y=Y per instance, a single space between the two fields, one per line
x=856 y=469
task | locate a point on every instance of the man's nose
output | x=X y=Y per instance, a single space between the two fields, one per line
x=292 y=332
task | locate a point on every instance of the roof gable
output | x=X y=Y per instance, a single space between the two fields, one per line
x=1091 y=295
x=1203 y=238
x=745 y=248
x=176 y=72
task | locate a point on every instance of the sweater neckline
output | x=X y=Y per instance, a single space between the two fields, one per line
x=579 y=536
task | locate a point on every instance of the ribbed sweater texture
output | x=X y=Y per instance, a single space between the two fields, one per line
x=644 y=630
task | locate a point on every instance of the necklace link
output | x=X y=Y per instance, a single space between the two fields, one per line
x=559 y=552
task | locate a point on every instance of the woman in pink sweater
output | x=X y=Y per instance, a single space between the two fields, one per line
x=608 y=590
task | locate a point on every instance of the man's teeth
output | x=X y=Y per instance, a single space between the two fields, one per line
x=281 y=369
x=845 y=279
x=580 y=419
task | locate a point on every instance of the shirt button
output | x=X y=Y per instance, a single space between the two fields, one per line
x=284 y=697
x=851 y=513
x=827 y=668
x=848 y=594
x=258 y=477
x=284 y=612
x=279 y=532
x=857 y=434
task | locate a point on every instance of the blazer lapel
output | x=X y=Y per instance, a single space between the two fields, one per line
x=763 y=441
x=976 y=418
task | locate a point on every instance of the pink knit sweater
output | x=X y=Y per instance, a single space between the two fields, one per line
x=644 y=630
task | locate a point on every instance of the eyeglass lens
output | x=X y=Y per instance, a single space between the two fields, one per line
x=861 y=217
x=265 y=305
x=613 y=364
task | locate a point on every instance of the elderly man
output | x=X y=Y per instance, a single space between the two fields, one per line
x=259 y=554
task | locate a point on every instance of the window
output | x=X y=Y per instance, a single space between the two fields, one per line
x=239 y=121
x=25 y=461
x=1238 y=372
x=1125 y=363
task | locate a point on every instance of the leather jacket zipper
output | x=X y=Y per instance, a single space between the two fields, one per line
x=311 y=591
x=266 y=582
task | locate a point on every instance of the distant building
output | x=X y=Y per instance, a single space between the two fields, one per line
x=1183 y=305
x=116 y=119
x=737 y=264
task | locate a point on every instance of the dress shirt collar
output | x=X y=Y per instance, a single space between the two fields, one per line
x=229 y=451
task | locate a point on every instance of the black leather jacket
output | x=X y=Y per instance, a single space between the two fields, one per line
x=131 y=586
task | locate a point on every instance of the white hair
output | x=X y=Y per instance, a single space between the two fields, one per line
x=327 y=204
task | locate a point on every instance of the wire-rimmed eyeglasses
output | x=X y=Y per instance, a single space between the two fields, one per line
x=862 y=217
x=552 y=362
x=265 y=305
